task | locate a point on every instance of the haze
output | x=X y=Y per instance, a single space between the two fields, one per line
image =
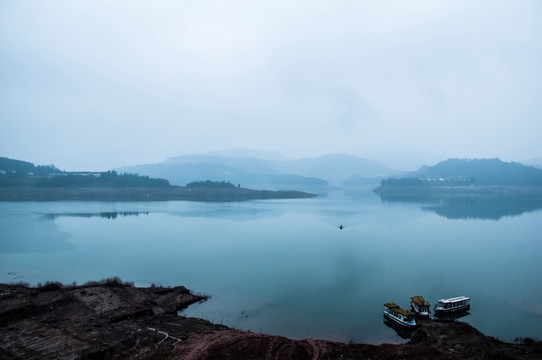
x=94 y=85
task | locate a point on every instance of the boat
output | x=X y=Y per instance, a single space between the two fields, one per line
x=400 y=316
x=420 y=306
x=447 y=306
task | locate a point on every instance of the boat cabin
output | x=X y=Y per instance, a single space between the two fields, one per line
x=401 y=316
x=453 y=304
x=420 y=306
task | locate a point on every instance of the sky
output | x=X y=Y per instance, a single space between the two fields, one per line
x=95 y=85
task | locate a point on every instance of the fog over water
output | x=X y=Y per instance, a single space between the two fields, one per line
x=94 y=85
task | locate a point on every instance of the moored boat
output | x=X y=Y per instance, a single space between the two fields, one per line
x=400 y=316
x=420 y=306
x=446 y=306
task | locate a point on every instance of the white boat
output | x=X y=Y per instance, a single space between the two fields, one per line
x=400 y=316
x=420 y=306
x=446 y=306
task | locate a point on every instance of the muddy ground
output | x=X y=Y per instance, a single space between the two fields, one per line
x=116 y=321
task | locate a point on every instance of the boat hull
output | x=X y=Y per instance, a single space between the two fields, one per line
x=423 y=314
x=420 y=307
x=399 y=321
x=463 y=308
x=418 y=312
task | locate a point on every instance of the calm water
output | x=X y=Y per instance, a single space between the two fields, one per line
x=283 y=266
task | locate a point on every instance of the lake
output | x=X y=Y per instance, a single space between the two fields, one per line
x=284 y=267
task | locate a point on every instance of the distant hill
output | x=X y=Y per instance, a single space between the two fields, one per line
x=19 y=168
x=17 y=173
x=186 y=172
x=249 y=153
x=264 y=173
x=481 y=176
x=482 y=172
x=337 y=168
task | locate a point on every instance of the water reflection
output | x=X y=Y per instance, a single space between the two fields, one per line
x=402 y=331
x=492 y=207
x=104 y=214
x=452 y=315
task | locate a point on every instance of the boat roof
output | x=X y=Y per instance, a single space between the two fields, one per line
x=420 y=301
x=452 y=300
x=393 y=306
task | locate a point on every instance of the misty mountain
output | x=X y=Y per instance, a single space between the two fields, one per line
x=337 y=168
x=179 y=171
x=260 y=173
x=536 y=162
x=249 y=153
x=189 y=170
x=482 y=172
x=227 y=163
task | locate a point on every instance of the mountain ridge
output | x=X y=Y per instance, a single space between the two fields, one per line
x=326 y=170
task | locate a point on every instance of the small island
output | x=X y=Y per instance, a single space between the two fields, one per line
x=23 y=181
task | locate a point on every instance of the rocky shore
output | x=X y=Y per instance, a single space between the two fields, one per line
x=113 y=320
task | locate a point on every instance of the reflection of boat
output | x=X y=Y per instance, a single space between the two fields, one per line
x=401 y=316
x=454 y=315
x=402 y=331
x=447 y=306
x=420 y=306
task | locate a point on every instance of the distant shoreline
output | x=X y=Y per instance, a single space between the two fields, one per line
x=34 y=193
x=474 y=190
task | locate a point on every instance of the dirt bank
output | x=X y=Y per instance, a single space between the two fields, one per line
x=114 y=321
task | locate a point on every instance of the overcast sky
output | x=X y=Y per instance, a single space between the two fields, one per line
x=101 y=84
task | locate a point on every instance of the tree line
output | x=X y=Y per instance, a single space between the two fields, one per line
x=210 y=184
x=109 y=178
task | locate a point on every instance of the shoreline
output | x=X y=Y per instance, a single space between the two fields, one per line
x=451 y=191
x=172 y=193
x=111 y=319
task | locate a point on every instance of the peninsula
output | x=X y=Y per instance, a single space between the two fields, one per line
x=23 y=181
